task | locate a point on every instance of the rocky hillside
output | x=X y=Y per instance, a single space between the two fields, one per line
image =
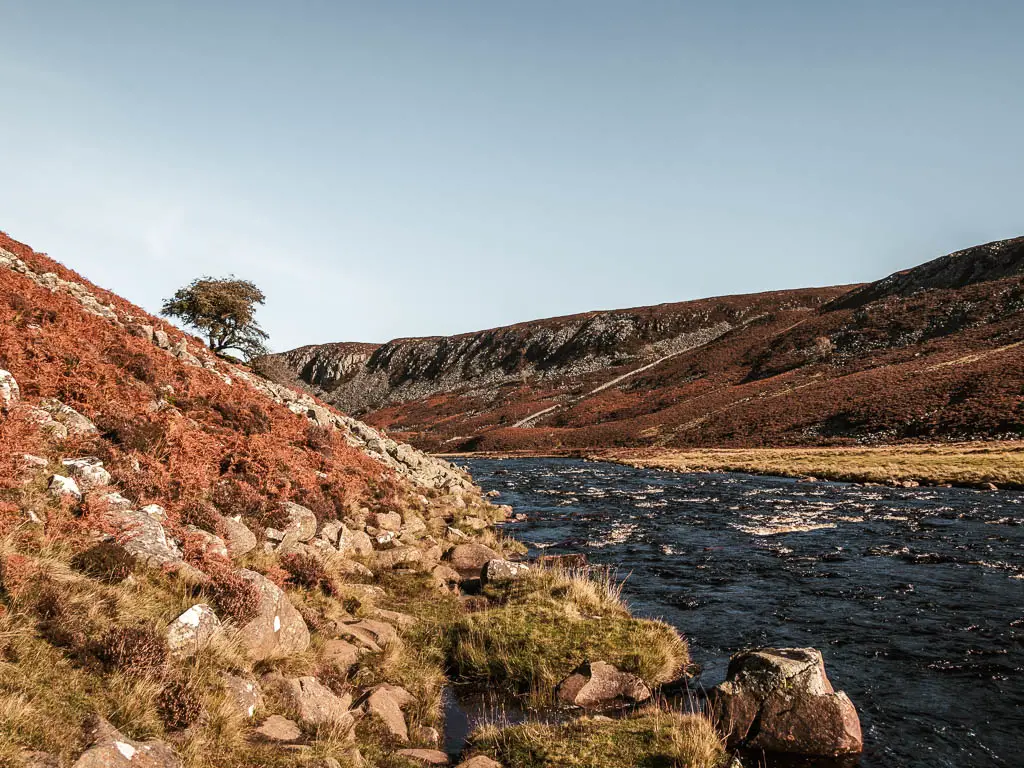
x=196 y=563
x=927 y=353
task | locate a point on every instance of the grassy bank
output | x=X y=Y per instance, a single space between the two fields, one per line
x=652 y=737
x=960 y=464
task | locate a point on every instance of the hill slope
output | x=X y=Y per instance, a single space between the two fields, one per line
x=927 y=353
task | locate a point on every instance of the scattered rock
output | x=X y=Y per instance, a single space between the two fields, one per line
x=193 y=630
x=391 y=558
x=387 y=521
x=301 y=521
x=65 y=488
x=381 y=632
x=245 y=696
x=424 y=734
x=210 y=544
x=357 y=543
x=497 y=571
x=278 y=629
x=469 y=559
x=333 y=532
x=385 y=704
x=340 y=654
x=400 y=620
x=48 y=424
x=473 y=524
x=493 y=494
x=424 y=756
x=76 y=424
x=237 y=536
x=143 y=536
x=161 y=339
x=313 y=702
x=89 y=472
x=109 y=748
x=10 y=392
x=279 y=729
x=598 y=684
x=779 y=700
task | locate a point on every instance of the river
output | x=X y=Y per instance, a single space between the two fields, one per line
x=914 y=596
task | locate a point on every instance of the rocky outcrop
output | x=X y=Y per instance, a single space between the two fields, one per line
x=779 y=700
x=598 y=684
x=278 y=628
x=312 y=701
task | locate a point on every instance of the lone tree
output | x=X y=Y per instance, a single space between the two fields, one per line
x=223 y=309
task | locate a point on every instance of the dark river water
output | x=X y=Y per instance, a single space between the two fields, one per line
x=914 y=596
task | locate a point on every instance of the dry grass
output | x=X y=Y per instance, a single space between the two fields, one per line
x=544 y=626
x=649 y=738
x=967 y=464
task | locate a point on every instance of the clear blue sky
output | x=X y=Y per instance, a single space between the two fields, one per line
x=386 y=168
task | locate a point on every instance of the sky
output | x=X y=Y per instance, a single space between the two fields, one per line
x=408 y=168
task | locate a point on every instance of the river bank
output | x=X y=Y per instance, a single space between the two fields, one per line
x=966 y=465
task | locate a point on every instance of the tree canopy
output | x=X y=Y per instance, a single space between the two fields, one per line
x=223 y=309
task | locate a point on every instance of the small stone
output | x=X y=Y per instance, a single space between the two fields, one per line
x=424 y=734
x=340 y=654
x=65 y=488
x=424 y=756
x=193 y=630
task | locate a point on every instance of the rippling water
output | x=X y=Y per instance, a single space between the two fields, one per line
x=914 y=596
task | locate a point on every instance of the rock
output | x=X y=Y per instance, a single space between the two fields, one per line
x=445 y=575
x=142 y=331
x=279 y=729
x=454 y=534
x=34 y=462
x=356 y=543
x=424 y=734
x=193 y=630
x=64 y=488
x=143 y=536
x=36 y=759
x=480 y=761
x=332 y=532
x=351 y=568
x=109 y=748
x=473 y=524
x=237 y=536
x=278 y=629
x=381 y=632
x=391 y=558
x=10 y=392
x=161 y=339
x=385 y=704
x=498 y=571
x=340 y=654
x=48 y=424
x=598 y=684
x=991 y=487
x=387 y=521
x=244 y=696
x=209 y=543
x=313 y=702
x=400 y=620
x=779 y=700
x=301 y=521
x=89 y=472
x=154 y=511
x=469 y=559
x=424 y=756
x=76 y=424
x=492 y=494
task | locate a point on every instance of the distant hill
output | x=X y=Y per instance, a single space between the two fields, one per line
x=927 y=353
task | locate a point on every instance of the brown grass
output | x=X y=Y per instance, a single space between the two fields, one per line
x=966 y=464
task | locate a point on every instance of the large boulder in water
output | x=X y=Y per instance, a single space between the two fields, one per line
x=779 y=700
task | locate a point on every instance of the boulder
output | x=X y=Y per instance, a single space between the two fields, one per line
x=469 y=559
x=48 y=424
x=473 y=524
x=193 y=630
x=279 y=729
x=333 y=531
x=340 y=654
x=385 y=704
x=109 y=748
x=392 y=558
x=209 y=543
x=237 y=536
x=498 y=571
x=424 y=756
x=65 y=488
x=301 y=521
x=381 y=632
x=598 y=684
x=89 y=472
x=398 y=619
x=143 y=536
x=313 y=702
x=161 y=339
x=243 y=696
x=10 y=392
x=75 y=423
x=387 y=521
x=779 y=700
x=278 y=628
x=356 y=543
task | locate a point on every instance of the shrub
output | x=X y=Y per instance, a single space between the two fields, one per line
x=138 y=651
x=308 y=570
x=235 y=596
x=138 y=365
x=179 y=704
x=107 y=561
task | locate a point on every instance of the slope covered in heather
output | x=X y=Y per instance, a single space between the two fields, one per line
x=928 y=353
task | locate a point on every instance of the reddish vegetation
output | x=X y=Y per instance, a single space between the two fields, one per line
x=171 y=434
x=929 y=354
